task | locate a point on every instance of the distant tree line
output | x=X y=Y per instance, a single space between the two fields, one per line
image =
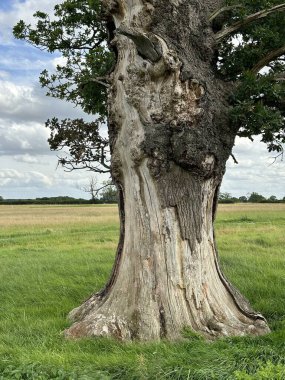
x=107 y=195
x=252 y=198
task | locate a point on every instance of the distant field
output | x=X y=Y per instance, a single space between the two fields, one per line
x=53 y=257
x=34 y=215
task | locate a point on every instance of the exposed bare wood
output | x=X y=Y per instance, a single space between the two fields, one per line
x=99 y=80
x=148 y=47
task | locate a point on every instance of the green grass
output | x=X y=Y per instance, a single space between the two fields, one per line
x=52 y=258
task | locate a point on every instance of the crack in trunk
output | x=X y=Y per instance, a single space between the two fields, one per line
x=103 y=293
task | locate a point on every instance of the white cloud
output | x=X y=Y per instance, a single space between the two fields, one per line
x=15 y=98
x=22 y=63
x=12 y=177
x=27 y=166
x=28 y=102
x=23 y=138
x=255 y=171
x=27 y=158
x=61 y=61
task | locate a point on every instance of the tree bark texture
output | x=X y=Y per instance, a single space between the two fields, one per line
x=170 y=140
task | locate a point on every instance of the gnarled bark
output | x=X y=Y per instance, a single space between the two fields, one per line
x=170 y=141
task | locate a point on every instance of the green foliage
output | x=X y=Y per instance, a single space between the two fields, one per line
x=46 y=201
x=226 y=198
x=78 y=32
x=256 y=198
x=84 y=143
x=259 y=105
x=252 y=198
x=109 y=194
x=268 y=371
x=247 y=57
x=252 y=42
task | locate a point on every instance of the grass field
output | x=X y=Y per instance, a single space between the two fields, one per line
x=53 y=257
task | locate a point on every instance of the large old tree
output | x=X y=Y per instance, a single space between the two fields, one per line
x=179 y=80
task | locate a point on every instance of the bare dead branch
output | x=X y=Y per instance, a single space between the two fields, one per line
x=235 y=160
x=218 y=12
x=247 y=21
x=98 y=80
x=271 y=56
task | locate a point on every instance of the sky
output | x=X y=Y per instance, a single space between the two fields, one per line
x=28 y=169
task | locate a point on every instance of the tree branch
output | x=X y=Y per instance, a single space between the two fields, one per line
x=271 y=56
x=235 y=160
x=222 y=10
x=276 y=158
x=247 y=21
x=98 y=80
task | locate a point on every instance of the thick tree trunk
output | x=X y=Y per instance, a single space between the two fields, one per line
x=170 y=140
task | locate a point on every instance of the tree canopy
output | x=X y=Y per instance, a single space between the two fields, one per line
x=77 y=31
x=250 y=51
